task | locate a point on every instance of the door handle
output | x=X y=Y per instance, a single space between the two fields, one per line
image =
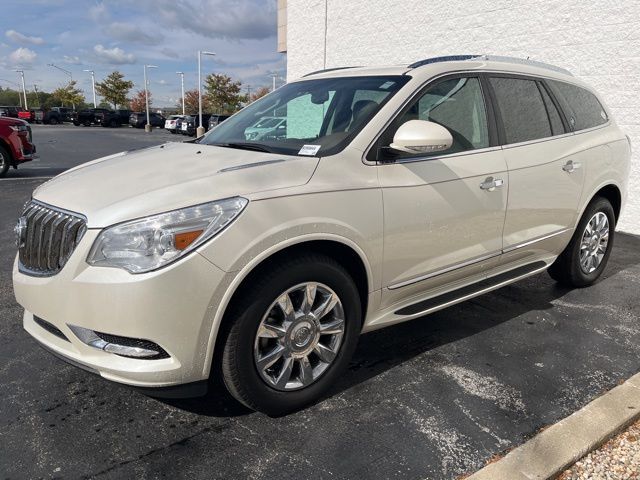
x=571 y=166
x=490 y=184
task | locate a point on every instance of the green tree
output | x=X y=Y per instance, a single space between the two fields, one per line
x=115 y=89
x=69 y=94
x=222 y=94
x=9 y=96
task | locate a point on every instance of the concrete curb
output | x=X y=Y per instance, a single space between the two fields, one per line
x=554 y=449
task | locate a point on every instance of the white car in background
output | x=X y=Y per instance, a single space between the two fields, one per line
x=171 y=123
x=266 y=127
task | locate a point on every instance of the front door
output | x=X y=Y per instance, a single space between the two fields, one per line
x=444 y=213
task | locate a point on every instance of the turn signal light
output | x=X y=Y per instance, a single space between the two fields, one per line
x=182 y=240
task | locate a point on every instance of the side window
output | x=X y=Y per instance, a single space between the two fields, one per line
x=582 y=108
x=458 y=105
x=557 y=127
x=523 y=112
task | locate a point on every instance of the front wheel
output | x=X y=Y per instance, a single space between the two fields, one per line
x=586 y=256
x=290 y=335
x=5 y=161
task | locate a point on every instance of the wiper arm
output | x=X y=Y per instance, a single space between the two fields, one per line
x=244 y=146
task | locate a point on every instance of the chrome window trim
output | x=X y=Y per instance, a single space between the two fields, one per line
x=417 y=90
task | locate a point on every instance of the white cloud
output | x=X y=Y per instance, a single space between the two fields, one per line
x=72 y=60
x=98 y=12
x=114 y=56
x=23 y=39
x=22 y=56
x=132 y=33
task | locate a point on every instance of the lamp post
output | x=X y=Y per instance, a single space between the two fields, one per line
x=24 y=90
x=182 y=85
x=93 y=84
x=147 y=127
x=273 y=78
x=70 y=78
x=200 y=130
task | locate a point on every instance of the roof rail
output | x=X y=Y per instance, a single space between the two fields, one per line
x=328 y=70
x=491 y=58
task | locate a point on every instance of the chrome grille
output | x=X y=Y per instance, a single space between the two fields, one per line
x=51 y=237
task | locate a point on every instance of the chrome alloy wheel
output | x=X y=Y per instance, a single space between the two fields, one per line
x=594 y=242
x=299 y=336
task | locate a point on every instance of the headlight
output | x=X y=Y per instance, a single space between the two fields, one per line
x=153 y=242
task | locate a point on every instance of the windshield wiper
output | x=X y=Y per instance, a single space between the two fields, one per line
x=244 y=146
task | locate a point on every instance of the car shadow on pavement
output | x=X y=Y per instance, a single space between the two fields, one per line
x=390 y=347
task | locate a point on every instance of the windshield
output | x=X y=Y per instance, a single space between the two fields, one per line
x=311 y=117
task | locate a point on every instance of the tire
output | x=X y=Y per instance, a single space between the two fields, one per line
x=77 y=124
x=5 y=161
x=568 y=269
x=53 y=121
x=240 y=343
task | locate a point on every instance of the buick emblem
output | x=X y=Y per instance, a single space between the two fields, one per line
x=21 y=232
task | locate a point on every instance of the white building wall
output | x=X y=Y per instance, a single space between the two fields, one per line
x=599 y=41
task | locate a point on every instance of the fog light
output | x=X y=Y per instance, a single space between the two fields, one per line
x=123 y=346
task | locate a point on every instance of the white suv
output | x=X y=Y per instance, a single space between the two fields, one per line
x=394 y=192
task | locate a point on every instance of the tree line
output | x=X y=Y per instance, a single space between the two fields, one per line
x=221 y=94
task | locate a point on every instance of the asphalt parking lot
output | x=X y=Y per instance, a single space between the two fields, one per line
x=433 y=398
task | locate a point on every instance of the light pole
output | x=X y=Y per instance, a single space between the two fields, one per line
x=182 y=85
x=200 y=129
x=248 y=94
x=273 y=77
x=147 y=127
x=24 y=90
x=70 y=78
x=93 y=84
x=35 y=89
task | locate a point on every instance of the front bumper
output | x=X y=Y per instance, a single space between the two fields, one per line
x=171 y=307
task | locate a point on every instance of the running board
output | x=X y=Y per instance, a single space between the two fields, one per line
x=470 y=291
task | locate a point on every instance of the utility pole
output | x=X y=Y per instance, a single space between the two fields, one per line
x=24 y=89
x=35 y=88
x=70 y=78
x=248 y=94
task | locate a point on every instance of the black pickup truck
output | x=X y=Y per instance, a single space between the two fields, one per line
x=89 y=116
x=114 y=118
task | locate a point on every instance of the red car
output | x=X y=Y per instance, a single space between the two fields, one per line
x=15 y=143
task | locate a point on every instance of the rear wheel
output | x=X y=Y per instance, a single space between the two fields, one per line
x=53 y=121
x=587 y=254
x=291 y=334
x=5 y=161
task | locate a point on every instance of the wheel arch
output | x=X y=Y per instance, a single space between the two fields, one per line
x=343 y=250
x=612 y=192
x=7 y=146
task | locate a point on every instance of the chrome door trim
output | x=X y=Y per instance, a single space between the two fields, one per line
x=441 y=271
x=535 y=240
x=475 y=260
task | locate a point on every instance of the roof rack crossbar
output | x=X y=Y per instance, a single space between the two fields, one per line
x=491 y=58
x=328 y=70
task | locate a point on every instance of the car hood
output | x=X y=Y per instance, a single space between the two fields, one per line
x=138 y=183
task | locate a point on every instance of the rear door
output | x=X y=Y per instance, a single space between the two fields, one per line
x=545 y=179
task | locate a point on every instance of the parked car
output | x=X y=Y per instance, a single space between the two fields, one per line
x=395 y=193
x=16 y=144
x=39 y=115
x=266 y=127
x=89 y=116
x=28 y=116
x=171 y=123
x=191 y=122
x=64 y=112
x=9 y=111
x=113 y=118
x=139 y=119
x=215 y=120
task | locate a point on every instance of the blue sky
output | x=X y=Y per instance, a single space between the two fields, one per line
x=125 y=34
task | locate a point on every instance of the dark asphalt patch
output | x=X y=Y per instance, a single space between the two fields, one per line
x=432 y=398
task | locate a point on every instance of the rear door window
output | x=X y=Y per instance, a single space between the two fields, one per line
x=522 y=109
x=582 y=108
x=557 y=127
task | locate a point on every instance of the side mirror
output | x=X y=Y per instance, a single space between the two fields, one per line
x=421 y=136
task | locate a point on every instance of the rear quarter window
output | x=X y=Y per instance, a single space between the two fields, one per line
x=582 y=108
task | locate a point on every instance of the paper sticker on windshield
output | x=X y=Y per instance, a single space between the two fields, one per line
x=309 y=149
x=386 y=85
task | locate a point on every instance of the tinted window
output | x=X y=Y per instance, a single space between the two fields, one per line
x=554 y=116
x=523 y=113
x=458 y=105
x=582 y=108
